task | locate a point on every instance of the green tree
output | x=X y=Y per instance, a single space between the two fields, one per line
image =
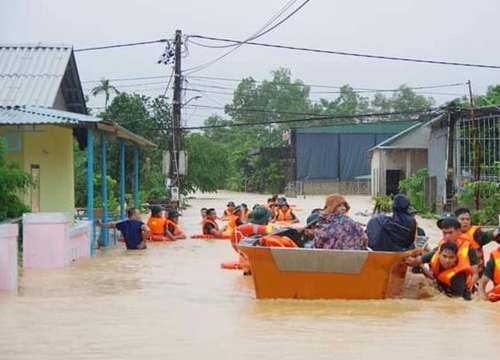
x=13 y=182
x=106 y=88
x=348 y=102
x=208 y=164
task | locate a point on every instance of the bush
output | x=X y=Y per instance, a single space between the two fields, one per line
x=413 y=187
x=13 y=182
x=489 y=194
x=382 y=204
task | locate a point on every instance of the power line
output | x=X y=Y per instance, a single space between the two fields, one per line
x=140 y=43
x=166 y=77
x=327 y=117
x=333 y=86
x=336 y=92
x=343 y=53
x=259 y=34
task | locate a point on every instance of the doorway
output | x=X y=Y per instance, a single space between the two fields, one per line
x=35 y=191
x=392 y=179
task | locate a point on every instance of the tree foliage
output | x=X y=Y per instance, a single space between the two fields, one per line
x=13 y=182
x=105 y=88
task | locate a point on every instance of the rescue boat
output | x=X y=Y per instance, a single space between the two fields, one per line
x=298 y=273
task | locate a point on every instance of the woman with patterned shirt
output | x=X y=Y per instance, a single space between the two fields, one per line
x=337 y=231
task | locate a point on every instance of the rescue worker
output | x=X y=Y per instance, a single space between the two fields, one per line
x=491 y=273
x=209 y=225
x=157 y=224
x=228 y=211
x=452 y=271
x=450 y=228
x=285 y=214
x=244 y=212
x=477 y=237
x=173 y=229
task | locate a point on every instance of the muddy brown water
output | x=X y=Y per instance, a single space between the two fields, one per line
x=174 y=302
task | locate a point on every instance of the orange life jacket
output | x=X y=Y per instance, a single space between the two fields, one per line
x=177 y=230
x=232 y=223
x=246 y=230
x=284 y=216
x=494 y=294
x=469 y=236
x=241 y=232
x=157 y=225
x=208 y=221
x=463 y=265
x=244 y=214
x=228 y=213
x=277 y=241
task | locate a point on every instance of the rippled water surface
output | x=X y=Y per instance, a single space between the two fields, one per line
x=174 y=302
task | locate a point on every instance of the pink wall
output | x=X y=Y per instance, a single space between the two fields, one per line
x=48 y=241
x=8 y=256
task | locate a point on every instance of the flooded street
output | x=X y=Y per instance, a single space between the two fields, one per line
x=173 y=301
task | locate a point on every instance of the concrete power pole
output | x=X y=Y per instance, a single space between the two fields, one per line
x=176 y=143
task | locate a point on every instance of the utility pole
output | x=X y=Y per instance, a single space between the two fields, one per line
x=176 y=142
x=476 y=147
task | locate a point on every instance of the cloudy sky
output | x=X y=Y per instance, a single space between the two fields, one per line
x=448 y=30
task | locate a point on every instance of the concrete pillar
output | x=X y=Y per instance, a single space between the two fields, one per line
x=8 y=256
x=46 y=240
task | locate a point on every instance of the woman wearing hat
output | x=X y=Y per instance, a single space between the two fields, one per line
x=337 y=231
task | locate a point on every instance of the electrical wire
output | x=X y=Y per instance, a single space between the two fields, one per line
x=343 y=53
x=258 y=35
x=140 y=43
x=327 y=117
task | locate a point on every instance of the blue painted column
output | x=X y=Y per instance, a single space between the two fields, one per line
x=136 y=177
x=90 y=186
x=104 y=190
x=122 y=179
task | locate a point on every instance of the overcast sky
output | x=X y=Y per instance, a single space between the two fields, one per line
x=451 y=30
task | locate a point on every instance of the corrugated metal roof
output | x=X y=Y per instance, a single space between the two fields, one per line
x=387 y=127
x=32 y=74
x=27 y=115
x=20 y=115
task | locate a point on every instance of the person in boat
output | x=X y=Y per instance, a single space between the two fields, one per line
x=337 y=231
x=317 y=211
x=475 y=235
x=258 y=224
x=466 y=255
x=309 y=231
x=491 y=273
x=174 y=232
x=210 y=226
x=284 y=214
x=157 y=224
x=394 y=233
x=133 y=229
x=229 y=210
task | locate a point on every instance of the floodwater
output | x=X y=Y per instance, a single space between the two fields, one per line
x=172 y=301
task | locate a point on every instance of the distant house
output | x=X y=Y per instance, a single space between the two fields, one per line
x=452 y=160
x=333 y=158
x=42 y=112
x=398 y=158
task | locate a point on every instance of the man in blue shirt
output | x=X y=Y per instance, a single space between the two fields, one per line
x=134 y=230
